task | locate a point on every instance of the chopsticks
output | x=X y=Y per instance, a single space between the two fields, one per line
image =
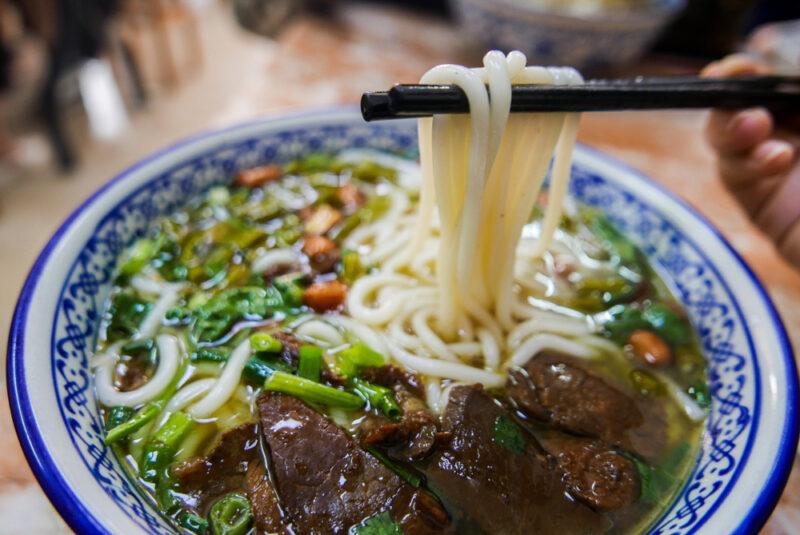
x=779 y=93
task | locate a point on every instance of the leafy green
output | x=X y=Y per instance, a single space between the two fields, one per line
x=381 y=524
x=667 y=324
x=291 y=288
x=216 y=317
x=508 y=435
x=126 y=313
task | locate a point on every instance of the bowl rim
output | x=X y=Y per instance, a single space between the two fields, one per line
x=67 y=501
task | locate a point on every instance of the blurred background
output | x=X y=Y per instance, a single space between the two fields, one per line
x=88 y=87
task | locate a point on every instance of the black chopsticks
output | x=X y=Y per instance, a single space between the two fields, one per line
x=779 y=93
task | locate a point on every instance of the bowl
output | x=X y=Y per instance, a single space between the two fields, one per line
x=749 y=440
x=551 y=37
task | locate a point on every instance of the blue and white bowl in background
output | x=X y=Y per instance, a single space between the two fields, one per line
x=557 y=37
x=751 y=433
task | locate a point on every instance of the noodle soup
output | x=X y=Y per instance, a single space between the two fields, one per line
x=350 y=343
x=274 y=359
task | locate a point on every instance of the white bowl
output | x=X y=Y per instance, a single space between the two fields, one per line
x=750 y=437
x=550 y=37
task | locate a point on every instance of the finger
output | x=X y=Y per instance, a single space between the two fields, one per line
x=771 y=157
x=733 y=133
x=734 y=65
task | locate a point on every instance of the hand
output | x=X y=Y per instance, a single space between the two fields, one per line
x=757 y=158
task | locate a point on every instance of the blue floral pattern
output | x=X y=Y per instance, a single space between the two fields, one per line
x=724 y=333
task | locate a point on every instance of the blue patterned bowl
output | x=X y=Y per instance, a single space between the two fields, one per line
x=751 y=433
x=549 y=37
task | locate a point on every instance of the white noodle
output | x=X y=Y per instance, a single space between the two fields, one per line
x=168 y=362
x=225 y=385
x=320 y=332
x=538 y=342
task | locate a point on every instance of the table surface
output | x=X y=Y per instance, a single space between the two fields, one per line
x=326 y=61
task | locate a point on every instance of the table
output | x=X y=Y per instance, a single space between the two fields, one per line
x=322 y=62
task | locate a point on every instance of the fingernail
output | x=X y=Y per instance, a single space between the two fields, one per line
x=772 y=151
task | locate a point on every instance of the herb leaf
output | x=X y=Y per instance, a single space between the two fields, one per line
x=381 y=524
x=509 y=435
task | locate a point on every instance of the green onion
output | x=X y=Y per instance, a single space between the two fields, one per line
x=380 y=524
x=312 y=392
x=265 y=342
x=132 y=424
x=193 y=523
x=378 y=397
x=409 y=475
x=310 y=362
x=118 y=416
x=257 y=370
x=166 y=495
x=161 y=449
x=231 y=515
x=349 y=361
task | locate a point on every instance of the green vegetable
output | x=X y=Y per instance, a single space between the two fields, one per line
x=378 y=397
x=351 y=268
x=509 y=435
x=161 y=449
x=218 y=196
x=312 y=392
x=166 y=493
x=265 y=342
x=210 y=354
x=668 y=324
x=310 y=362
x=310 y=164
x=351 y=360
x=131 y=424
x=625 y=320
x=138 y=256
x=257 y=370
x=215 y=318
x=118 y=416
x=381 y=524
x=126 y=314
x=230 y=515
x=291 y=288
x=615 y=240
x=193 y=523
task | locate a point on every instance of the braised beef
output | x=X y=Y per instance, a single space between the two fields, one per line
x=326 y=482
x=501 y=488
x=267 y=514
x=412 y=437
x=131 y=374
x=595 y=473
x=554 y=389
x=391 y=376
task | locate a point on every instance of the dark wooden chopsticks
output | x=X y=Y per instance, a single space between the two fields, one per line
x=779 y=93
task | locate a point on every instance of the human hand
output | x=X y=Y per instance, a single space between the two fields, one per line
x=757 y=158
